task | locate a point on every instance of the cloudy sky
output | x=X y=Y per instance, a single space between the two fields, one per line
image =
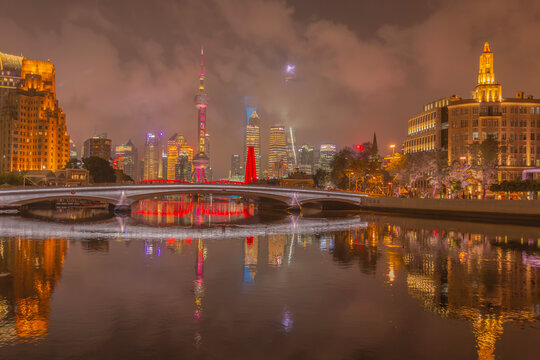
x=128 y=67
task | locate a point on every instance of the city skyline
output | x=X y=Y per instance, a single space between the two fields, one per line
x=378 y=66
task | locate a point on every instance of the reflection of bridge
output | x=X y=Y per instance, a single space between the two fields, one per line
x=129 y=194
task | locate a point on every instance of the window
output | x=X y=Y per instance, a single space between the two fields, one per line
x=532 y=110
x=475 y=123
x=475 y=136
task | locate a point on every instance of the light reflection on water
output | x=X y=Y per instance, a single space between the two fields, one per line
x=430 y=289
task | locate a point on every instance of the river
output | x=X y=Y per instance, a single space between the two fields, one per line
x=216 y=280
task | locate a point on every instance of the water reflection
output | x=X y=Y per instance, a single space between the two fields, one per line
x=192 y=211
x=30 y=270
x=487 y=277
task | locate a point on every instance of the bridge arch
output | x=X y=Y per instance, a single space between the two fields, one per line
x=282 y=199
x=35 y=200
x=331 y=203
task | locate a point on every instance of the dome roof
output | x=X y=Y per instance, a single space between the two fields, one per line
x=11 y=63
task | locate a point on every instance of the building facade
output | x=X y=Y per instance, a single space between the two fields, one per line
x=127 y=159
x=177 y=147
x=33 y=134
x=97 y=146
x=306 y=159
x=428 y=130
x=277 y=152
x=152 y=157
x=236 y=168
x=326 y=156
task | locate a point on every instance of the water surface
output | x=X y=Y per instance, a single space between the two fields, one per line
x=362 y=287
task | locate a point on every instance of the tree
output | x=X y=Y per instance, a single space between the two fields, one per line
x=100 y=170
x=11 y=178
x=484 y=162
x=320 y=178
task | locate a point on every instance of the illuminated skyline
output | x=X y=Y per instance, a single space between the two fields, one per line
x=132 y=77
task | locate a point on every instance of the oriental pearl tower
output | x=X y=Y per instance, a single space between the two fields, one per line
x=201 y=160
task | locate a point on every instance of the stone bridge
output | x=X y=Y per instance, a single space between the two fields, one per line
x=126 y=195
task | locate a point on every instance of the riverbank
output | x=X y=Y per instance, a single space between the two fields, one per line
x=524 y=212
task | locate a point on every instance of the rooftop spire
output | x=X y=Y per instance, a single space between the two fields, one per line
x=486 y=47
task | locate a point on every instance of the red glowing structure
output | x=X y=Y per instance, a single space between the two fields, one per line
x=251 y=169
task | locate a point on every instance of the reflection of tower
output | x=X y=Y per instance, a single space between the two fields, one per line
x=251 y=253
x=34 y=268
x=198 y=286
x=201 y=160
x=276 y=249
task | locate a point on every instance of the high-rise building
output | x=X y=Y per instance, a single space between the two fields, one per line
x=97 y=146
x=127 y=159
x=152 y=156
x=326 y=156
x=33 y=133
x=253 y=138
x=306 y=159
x=236 y=168
x=201 y=160
x=277 y=153
x=177 y=146
x=291 y=150
x=184 y=165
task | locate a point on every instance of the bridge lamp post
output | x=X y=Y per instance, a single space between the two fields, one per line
x=393 y=147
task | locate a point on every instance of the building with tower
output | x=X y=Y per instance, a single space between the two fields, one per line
x=277 y=154
x=253 y=138
x=33 y=134
x=201 y=160
x=454 y=124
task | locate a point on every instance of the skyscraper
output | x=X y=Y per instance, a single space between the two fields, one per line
x=277 y=154
x=201 y=160
x=177 y=146
x=327 y=153
x=33 y=133
x=152 y=156
x=253 y=138
x=306 y=159
x=97 y=146
x=127 y=159
x=236 y=169
x=291 y=149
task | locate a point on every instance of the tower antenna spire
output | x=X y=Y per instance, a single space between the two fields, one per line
x=202 y=60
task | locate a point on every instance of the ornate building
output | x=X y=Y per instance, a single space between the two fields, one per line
x=454 y=124
x=33 y=133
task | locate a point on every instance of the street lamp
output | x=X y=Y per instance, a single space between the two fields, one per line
x=393 y=147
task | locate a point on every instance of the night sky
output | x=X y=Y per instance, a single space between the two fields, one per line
x=128 y=67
